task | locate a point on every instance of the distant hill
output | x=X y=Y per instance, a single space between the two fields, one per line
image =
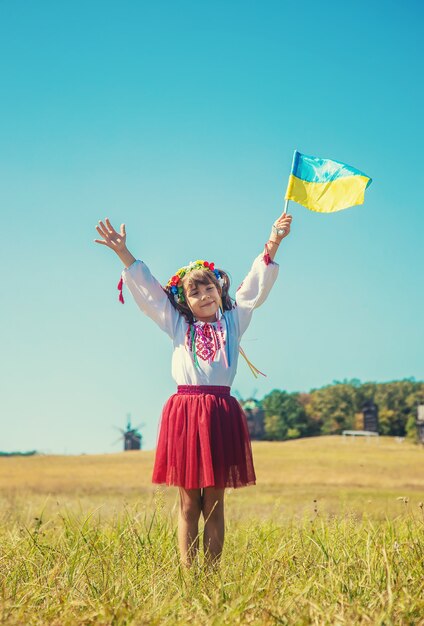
x=30 y=453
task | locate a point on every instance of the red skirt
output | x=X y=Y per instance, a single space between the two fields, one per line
x=203 y=440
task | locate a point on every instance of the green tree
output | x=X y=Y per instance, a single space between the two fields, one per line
x=397 y=400
x=336 y=407
x=411 y=428
x=333 y=407
x=285 y=417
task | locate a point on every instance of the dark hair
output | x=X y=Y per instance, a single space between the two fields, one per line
x=201 y=277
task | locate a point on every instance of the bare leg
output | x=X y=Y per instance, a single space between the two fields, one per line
x=213 y=513
x=188 y=524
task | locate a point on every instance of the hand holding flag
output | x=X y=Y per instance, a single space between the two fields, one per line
x=281 y=224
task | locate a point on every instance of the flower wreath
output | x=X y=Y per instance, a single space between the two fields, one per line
x=175 y=286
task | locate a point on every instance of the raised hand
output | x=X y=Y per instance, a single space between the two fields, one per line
x=115 y=241
x=280 y=229
x=283 y=223
x=112 y=239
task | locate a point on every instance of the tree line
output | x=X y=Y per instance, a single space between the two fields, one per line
x=337 y=407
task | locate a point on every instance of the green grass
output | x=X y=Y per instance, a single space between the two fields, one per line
x=85 y=570
x=332 y=534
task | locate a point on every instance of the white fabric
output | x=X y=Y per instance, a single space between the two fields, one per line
x=154 y=302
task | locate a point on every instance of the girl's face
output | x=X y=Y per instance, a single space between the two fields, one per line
x=203 y=300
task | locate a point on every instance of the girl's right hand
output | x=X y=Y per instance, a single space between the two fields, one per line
x=112 y=239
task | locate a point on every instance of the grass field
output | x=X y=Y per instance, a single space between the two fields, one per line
x=333 y=533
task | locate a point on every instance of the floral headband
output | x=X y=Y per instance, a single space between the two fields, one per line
x=175 y=285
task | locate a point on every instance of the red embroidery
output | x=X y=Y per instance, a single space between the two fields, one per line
x=206 y=343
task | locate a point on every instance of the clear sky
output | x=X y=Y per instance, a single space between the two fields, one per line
x=180 y=119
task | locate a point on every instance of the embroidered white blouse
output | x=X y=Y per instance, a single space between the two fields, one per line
x=209 y=366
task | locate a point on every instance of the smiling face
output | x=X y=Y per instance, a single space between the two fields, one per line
x=203 y=297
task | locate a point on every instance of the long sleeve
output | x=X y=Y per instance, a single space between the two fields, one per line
x=254 y=289
x=150 y=297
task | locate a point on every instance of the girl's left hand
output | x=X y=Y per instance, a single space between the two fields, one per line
x=284 y=221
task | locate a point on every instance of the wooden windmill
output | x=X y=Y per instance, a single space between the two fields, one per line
x=255 y=415
x=131 y=437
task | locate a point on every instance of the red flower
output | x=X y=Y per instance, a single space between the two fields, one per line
x=205 y=263
x=175 y=280
x=211 y=266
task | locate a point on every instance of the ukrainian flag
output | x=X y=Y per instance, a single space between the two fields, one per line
x=324 y=185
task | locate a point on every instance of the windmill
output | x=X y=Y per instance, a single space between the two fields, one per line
x=131 y=437
x=255 y=415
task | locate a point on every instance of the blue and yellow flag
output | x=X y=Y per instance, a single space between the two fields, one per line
x=324 y=185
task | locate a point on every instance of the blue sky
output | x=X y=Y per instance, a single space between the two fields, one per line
x=180 y=120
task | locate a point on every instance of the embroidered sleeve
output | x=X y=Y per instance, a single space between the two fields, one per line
x=255 y=288
x=150 y=296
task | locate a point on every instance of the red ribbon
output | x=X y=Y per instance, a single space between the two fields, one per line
x=120 y=285
x=267 y=258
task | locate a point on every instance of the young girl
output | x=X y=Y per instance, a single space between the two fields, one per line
x=203 y=444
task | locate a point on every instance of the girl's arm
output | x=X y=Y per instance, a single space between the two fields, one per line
x=148 y=294
x=259 y=281
x=283 y=223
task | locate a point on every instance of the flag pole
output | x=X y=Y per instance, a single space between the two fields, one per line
x=295 y=157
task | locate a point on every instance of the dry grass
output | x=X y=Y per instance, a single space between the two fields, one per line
x=359 y=476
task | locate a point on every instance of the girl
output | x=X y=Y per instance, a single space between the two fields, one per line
x=203 y=444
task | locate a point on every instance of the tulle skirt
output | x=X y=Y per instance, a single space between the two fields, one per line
x=203 y=440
